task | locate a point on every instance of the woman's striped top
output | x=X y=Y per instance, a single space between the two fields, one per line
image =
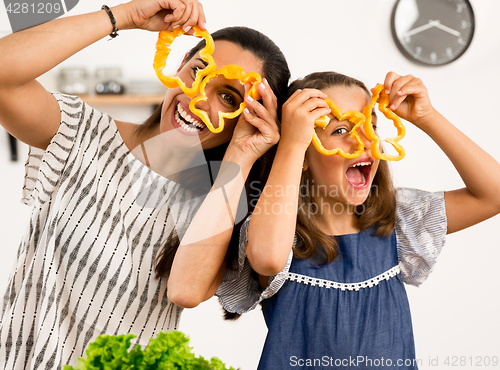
x=85 y=264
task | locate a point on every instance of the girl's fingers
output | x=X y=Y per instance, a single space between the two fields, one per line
x=317 y=113
x=315 y=103
x=320 y=112
x=414 y=88
x=397 y=85
x=389 y=80
x=308 y=94
x=299 y=97
x=306 y=105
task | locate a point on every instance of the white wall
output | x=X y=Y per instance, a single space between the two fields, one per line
x=455 y=313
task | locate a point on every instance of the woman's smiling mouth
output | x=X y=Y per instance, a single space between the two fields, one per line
x=187 y=122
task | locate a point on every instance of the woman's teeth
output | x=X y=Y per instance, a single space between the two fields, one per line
x=187 y=122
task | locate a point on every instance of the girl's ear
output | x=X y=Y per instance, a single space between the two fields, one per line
x=184 y=61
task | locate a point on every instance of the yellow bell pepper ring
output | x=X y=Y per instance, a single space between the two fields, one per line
x=379 y=91
x=230 y=72
x=354 y=117
x=165 y=39
x=204 y=76
x=364 y=119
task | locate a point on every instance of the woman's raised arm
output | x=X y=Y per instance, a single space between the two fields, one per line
x=27 y=110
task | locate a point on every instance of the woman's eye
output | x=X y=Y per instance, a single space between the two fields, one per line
x=340 y=131
x=195 y=71
x=228 y=99
x=374 y=127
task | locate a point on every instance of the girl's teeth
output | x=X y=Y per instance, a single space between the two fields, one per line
x=361 y=164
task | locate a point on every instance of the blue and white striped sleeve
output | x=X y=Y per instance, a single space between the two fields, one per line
x=240 y=291
x=420 y=231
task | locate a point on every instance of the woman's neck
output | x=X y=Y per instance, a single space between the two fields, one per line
x=167 y=154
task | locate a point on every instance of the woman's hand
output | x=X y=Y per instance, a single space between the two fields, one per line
x=158 y=15
x=300 y=112
x=409 y=98
x=257 y=128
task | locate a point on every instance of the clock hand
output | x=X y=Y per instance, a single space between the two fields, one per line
x=414 y=31
x=447 y=29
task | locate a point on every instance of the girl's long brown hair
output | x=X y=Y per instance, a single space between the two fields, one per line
x=377 y=212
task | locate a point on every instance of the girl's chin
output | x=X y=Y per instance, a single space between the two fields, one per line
x=358 y=196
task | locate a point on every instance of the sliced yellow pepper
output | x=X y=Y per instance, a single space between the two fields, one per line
x=355 y=117
x=370 y=132
x=364 y=119
x=204 y=76
x=230 y=72
x=165 y=39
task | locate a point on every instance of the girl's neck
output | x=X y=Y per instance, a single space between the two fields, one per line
x=336 y=218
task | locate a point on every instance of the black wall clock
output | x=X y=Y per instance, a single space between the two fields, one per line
x=432 y=32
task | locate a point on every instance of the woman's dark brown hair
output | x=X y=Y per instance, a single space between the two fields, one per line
x=276 y=71
x=377 y=212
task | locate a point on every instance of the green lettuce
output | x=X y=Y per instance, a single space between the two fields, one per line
x=167 y=351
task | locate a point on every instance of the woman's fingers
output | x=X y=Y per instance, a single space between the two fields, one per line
x=268 y=132
x=256 y=108
x=185 y=13
x=202 y=21
x=176 y=7
x=269 y=100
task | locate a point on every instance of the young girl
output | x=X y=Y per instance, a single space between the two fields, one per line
x=332 y=241
x=104 y=219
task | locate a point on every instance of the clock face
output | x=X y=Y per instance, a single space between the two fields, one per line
x=432 y=32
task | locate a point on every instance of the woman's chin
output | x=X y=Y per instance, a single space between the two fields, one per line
x=177 y=138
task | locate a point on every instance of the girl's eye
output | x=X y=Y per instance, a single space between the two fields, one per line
x=374 y=127
x=340 y=131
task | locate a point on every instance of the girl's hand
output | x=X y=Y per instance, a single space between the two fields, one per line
x=409 y=98
x=300 y=112
x=257 y=128
x=158 y=15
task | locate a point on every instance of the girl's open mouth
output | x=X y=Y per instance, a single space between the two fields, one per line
x=358 y=175
x=188 y=122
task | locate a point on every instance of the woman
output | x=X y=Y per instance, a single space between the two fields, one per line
x=103 y=217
